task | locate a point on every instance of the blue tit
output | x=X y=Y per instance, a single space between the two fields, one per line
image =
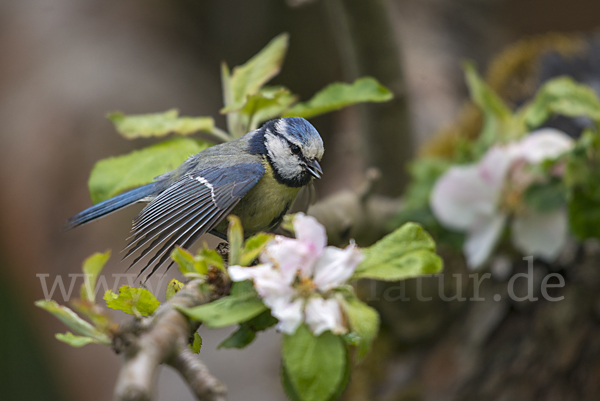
x=255 y=177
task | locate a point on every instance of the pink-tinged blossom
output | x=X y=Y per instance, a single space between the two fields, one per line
x=296 y=278
x=480 y=198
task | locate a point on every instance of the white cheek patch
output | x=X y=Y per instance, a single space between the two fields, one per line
x=286 y=163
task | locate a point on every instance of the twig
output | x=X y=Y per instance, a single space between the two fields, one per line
x=358 y=214
x=204 y=385
x=164 y=341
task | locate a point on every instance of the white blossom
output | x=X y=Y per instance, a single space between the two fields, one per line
x=296 y=278
x=481 y=198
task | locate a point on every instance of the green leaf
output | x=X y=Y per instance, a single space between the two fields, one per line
x=546 y=197
x=242 y=288
x=133 y=301
x=407 y=252
x=339 y=95
x=173 y=288
x=288 y=387
x=254 y=246
x=315 y=366
x=290 y=392
x=497 y=115
x=74 y=322
x=363 y=321
x=207 y=258
x=269 y=103
x=582 y=177
x=584 y=214
x=247 y=79
x=159 y=124
x=240 y=338
x=562 y=96
x=94 y=313
x=187 y=262
x=116 y=174
x=235 y=236
x=246 y=333
x=75 y=341
x=197 y=344
x=227 y=311
x=92 y=267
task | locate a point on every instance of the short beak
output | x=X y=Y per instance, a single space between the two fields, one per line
x=314 y=168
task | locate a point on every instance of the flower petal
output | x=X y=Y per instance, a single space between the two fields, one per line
x=324 y=314
x=290 y=256
x=335 y=266
x=460 y=196
x=268 y=281
x=495 y=164
x=546 y=143
x=540 y=234
x=310 y=231
x=288 y=313
x=482 y=239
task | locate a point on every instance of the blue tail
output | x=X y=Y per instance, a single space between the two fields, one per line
x=111 y=205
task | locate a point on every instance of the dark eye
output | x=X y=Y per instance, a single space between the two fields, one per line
x=295 y=149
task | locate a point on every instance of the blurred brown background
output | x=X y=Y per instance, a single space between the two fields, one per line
x=65 y=63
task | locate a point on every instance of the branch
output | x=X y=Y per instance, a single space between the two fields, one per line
x=204 y=385
x=360 y=214
x=162 y=339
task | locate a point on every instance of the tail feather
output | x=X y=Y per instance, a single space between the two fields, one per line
x=111 y=205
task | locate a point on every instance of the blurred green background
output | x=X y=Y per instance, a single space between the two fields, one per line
x=65 y=63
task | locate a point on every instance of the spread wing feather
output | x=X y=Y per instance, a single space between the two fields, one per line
x=192 y=206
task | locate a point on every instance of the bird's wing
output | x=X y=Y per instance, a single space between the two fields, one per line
x=190 y=207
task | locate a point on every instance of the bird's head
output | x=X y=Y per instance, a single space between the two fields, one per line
x=294 y=148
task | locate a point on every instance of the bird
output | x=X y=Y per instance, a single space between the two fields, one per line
x=255 y=177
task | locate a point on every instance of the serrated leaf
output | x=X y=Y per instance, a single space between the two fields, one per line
x=562 y=96
x=207 y=258
x=246 y=333
x=227 y=311
x=197 y=343
x=407 y=252
x=235 y=236
x=254 y=246
x=339 y=95
x=159 y=124
x=240 y=338
x=114 y=175
x=74 y=322
x=315 y=365
x=96 y=314
x=173 y=288
x=92 y=267
x=268 y=103
x=363 y=321
x=75 y=341
x=185 y=260
x=133 y=301
x=247 y=79
x=288 y=387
